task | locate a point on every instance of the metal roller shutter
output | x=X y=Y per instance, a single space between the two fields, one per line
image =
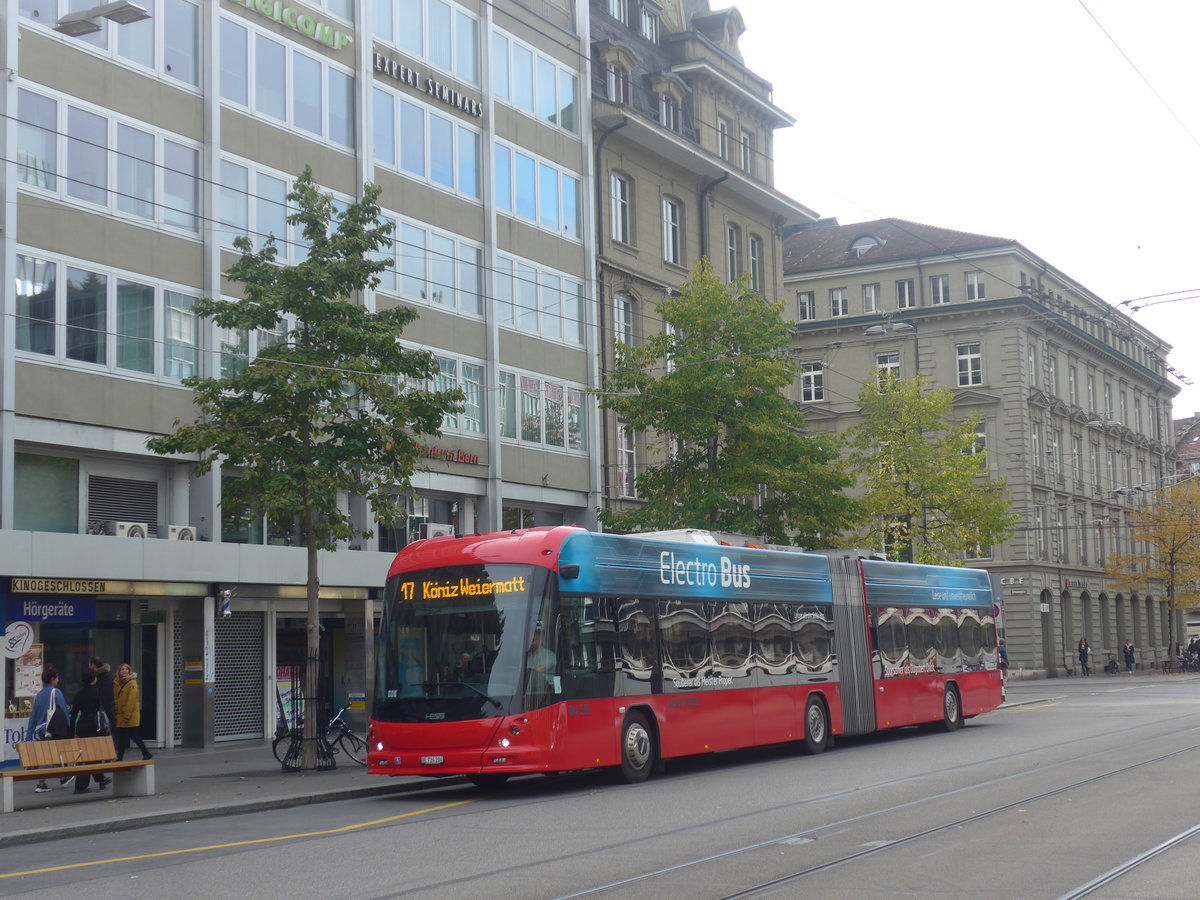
x=238 y=694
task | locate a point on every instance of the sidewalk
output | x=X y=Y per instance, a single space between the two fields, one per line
x=192 y=784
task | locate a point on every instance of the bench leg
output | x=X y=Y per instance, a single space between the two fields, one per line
x=137 y=782
x=6 y=795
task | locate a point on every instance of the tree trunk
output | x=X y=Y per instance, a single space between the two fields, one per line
x=312 y=664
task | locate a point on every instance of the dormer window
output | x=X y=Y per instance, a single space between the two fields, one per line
x=649 y=24
x=864 y=245
x=668 y=112
x=617 y=84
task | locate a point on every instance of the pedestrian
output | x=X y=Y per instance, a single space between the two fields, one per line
x=1084 y=653
x=104 y=684
x=48 y=719
x=127 y=697
x=1003 y=656
x=1128 y=651
x=90 y=720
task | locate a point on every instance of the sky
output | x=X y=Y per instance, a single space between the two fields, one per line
x=1071 y=127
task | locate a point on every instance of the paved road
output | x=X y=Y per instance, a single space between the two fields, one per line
x=1073 y=780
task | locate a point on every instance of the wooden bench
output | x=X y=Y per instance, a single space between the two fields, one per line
x=77 y=756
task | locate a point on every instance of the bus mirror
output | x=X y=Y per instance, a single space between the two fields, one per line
x=569 y=571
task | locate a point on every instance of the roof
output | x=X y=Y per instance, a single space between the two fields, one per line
x=827 y=245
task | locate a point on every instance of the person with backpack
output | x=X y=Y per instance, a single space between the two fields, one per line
x=48 y=719
x=90 y=720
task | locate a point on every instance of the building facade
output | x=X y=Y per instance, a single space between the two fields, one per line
x=683 y=136
x=1074 y=399
x=134 y=154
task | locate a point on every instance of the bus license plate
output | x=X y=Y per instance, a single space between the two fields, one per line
x=432 y=760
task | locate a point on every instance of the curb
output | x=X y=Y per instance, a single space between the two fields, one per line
x=127 y=823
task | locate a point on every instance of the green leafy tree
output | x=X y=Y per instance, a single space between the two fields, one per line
x=743 y=460
x=926 y=497
x=1168 y=528
x=327 y=407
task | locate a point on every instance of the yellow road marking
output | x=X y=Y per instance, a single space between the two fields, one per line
x=269 y=840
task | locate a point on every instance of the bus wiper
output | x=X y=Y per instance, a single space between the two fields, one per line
x=471 y=687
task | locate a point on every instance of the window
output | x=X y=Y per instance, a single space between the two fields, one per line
x=45 y=493
x=812 y=382
x=1091 y=393
x=434 y=267
x=669 y=113
x=672 y=231
x=839 y=302
x=905 y=298
x=620 y=198
x=887 y=367
x=1051 y=372
x=538 y=191
x=970 y=364
x=1077 y=458
x=723 y=138
x=1072 y=387
x=975 y=289
x=649 y=24
x=623 y=319
x=544 y=413
x=617 y=84
x=73 y=314
x=312 y=100
x=733 y=251
x=806 y=302
x=125 y=170
x=1054 y=450
x=746 y=144
x=434 y=31
x=1033 y=367
x=619 y=10
x=871 y=302
x=536 y=84
x=626 y=463
x=939 y=289
x=536 y=300
x=432 y=148
x=757 y=281
x=166 y=43
x=467 y=377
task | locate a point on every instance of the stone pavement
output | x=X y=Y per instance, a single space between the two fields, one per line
x=220 y=780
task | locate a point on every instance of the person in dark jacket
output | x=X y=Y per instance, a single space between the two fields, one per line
x=104 y=684
x=87 y=713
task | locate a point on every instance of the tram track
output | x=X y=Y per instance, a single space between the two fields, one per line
x=770 y=885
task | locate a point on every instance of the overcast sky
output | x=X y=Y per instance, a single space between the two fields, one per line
x=1021 y=120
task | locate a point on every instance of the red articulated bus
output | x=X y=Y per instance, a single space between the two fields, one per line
x=557 y=649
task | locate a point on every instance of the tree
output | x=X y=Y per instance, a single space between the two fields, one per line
x=927 y=498
x=329 y=407
x=742 y=460
x=1168 y=527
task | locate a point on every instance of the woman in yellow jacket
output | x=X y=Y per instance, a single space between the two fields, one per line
x=127 y=698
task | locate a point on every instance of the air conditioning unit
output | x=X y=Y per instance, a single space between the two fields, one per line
x=127 y=529
x=181 y=532
x=436 y=529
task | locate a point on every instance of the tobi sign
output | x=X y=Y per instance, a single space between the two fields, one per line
x=695 y=572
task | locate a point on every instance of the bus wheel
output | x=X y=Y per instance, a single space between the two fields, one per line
x=637 y=749
x=489 y=781
x=951 y=709
x=816 y=726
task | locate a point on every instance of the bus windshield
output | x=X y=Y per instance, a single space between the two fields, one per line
x=452 y=642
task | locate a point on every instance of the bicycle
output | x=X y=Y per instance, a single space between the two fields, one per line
x=339 y=737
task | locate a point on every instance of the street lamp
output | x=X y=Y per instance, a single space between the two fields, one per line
x=123 y=12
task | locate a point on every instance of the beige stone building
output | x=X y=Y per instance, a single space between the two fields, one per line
x=683 y=134
x=1074 y=397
